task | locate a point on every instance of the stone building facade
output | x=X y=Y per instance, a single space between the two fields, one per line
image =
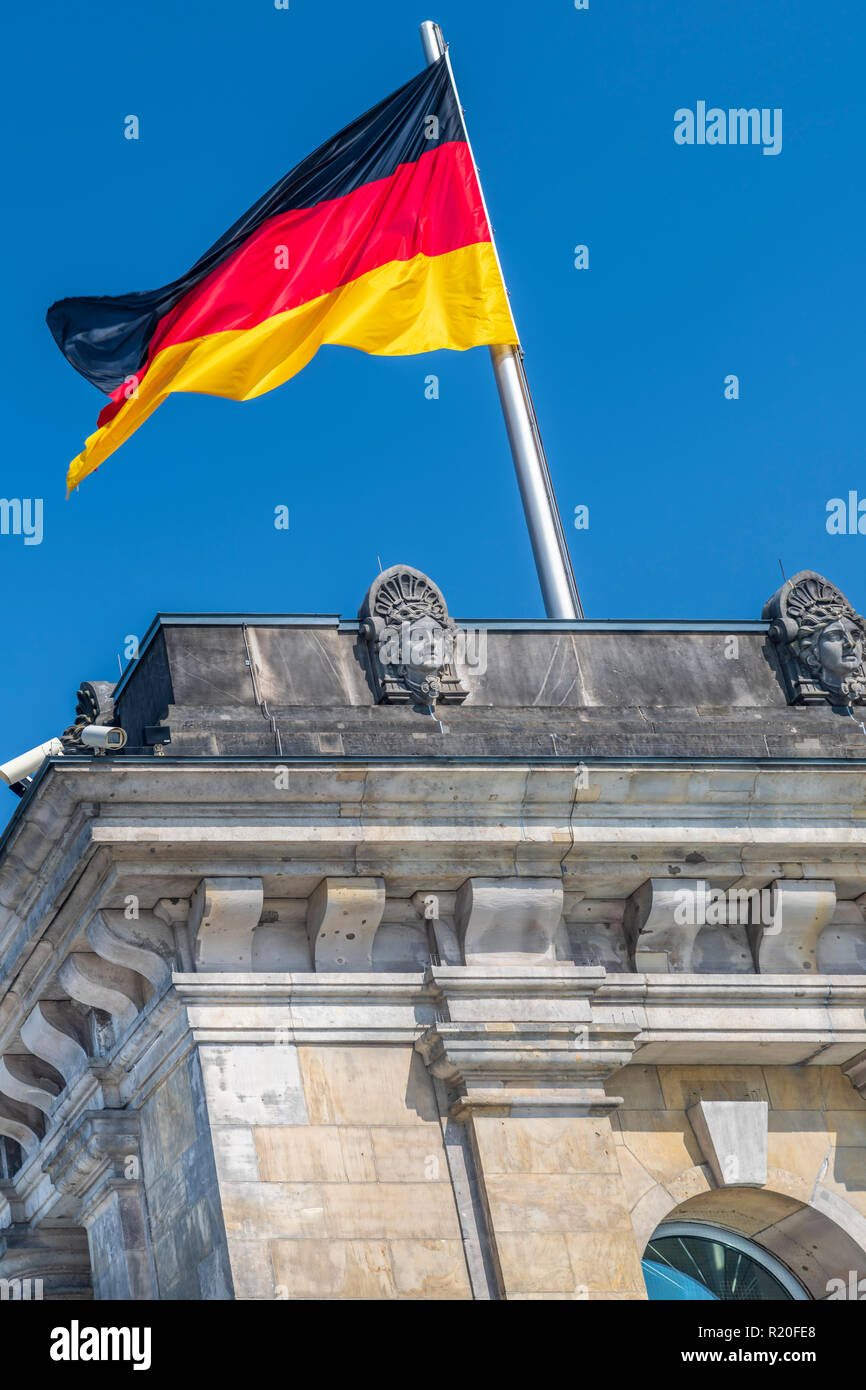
x=396 y=959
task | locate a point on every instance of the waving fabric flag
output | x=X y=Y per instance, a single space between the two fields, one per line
x=379 y=241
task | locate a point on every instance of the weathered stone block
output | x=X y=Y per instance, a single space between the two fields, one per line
x=333 y=1269
x=606 y=1262
x=429 y=1269
x=404 y=1153
x=253 y=1084
x=366 y=1085
x=535 y=1263
x=423 y=1211
x=235 y=1153
x=272 y=1211
x=847 y=1127
x=252 y=1271
x=638 y=1086
x=798 y=1142
x=542 y=1203
x=317 y=1153
x=683 y=1086
x=174 y=1118
x=794 y=1088
x=546 y=1144
x=662 y=1141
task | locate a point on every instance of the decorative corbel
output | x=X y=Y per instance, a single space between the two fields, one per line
x=53 y=1031
x=30 y=1080
x=144 y=944
x=101 y=985
x=343 y=916
x=661 y=922
x=509 y=921
x=224 y=913
x=802 y=909
x=23 y=1123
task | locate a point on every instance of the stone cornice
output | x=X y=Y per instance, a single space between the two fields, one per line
x=714 y=1019
x=306 y=1008
x=554 y=981
x=94 y=825
x=303 y=987
x=739 y=990
x=95 y=798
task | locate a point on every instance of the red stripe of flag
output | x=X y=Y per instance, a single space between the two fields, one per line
x=421 y=209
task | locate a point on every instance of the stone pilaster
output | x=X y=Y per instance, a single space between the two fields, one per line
x=100 y=1166
x=524 y=1066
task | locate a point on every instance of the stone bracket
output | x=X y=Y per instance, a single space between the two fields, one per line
x=343 y=915
x=802 y=910
x=98 y=1166
x=732 y=1135
x=144 y=944
x=503 y=921
x=101 y=985
x=29 y=1079
x=53 y=1031
x=224 y=913
x=23 y=1123
x=661 y=922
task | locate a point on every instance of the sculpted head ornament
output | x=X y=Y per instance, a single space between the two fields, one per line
x=411 y=639
x=822 y=641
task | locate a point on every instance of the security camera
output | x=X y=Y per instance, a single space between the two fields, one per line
x=27 y=764
x=99 y=736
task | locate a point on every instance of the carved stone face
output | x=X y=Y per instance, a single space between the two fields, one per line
x=821 y=641
x=411 y=640
x=840 y=650
x=425 y=649
x=419 y=648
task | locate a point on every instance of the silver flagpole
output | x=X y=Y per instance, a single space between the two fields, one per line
x=552 y=560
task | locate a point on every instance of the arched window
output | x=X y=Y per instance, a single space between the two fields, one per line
x=694 y=1261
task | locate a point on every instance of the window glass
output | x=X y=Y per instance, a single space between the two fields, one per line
x=686 y=1262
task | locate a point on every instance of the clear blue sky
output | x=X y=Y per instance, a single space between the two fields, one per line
x=703 y=262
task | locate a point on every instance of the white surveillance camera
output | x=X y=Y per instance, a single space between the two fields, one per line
x=27 y=764
x=100 y=736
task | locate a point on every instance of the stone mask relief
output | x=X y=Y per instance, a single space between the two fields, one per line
x=821 y=641
x=411 y=640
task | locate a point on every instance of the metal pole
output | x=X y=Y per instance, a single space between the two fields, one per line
x=546 y=534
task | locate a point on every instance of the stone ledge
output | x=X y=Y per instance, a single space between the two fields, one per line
x=734 y=1019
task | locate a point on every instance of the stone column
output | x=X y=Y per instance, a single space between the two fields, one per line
x=524 y=1067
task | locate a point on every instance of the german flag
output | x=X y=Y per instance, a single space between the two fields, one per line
x=379 y=240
